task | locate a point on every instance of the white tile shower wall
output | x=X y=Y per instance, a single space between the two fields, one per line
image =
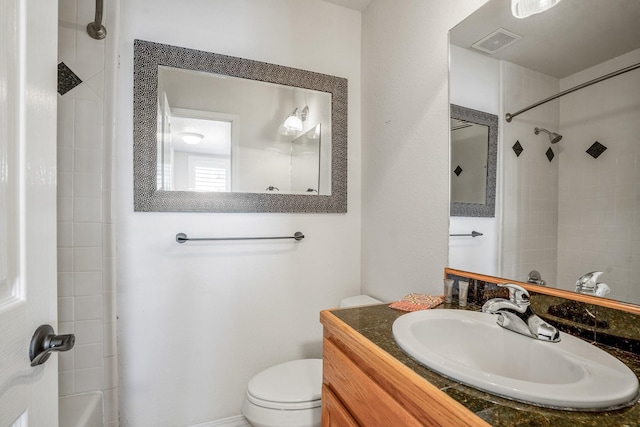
x=529 y=182
x=84 y=223
x=599 y=220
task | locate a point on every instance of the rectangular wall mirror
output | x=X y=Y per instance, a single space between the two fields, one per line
x=568 y=168
x=474 y=153
x=214 y=133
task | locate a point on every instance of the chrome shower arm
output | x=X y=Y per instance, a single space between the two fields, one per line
x=95 y=29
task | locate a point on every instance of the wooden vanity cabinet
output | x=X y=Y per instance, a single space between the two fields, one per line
x=365 y=386
x=334 y=414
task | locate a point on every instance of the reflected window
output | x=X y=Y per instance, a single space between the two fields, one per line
x=209 y=174
x=197 y=150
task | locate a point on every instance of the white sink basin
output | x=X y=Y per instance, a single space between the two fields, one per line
x=471 y=348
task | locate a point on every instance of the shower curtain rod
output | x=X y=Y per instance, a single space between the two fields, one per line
x=510 y=116
x=95 y=29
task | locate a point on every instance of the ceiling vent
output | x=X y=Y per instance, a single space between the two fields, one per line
x=496 y=41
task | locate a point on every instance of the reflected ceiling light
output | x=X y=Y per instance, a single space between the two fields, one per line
x=293 y=123
x=525 y=8
x=191 y=138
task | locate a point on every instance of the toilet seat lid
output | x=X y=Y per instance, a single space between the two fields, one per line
x=297 y=381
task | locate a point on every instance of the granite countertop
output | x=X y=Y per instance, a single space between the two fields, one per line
x=374 y=323
x=604 y=325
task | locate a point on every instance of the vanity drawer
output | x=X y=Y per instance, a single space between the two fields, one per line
x=334 y=414
x=367 y=402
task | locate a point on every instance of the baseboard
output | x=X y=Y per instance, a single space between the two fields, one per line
x=237 y=421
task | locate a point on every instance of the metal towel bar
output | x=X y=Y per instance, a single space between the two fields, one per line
x=472 y=234
x=182 y=237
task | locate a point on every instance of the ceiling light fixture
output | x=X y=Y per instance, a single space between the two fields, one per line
x=191 y=138
x=525 y=8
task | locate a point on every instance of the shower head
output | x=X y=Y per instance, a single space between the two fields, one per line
x=553 y=137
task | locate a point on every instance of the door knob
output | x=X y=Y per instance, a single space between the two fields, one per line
x=44 y=341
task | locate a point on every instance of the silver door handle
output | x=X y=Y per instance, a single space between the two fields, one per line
x=44 y=341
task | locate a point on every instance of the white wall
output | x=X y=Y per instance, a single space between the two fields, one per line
x=405 y=197
x=599 y=209
x=474 y=81
x=196 y=321
x=86 y=291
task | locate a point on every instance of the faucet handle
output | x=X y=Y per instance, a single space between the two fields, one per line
x=517 y=293
x=589 y=279
x=602 y=289
x=588 y=283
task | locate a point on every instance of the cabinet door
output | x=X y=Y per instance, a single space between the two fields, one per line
x=366 y=400
x=333 y=413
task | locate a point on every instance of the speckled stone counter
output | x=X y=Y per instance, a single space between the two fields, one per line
x=374 y=323
x=593 y=323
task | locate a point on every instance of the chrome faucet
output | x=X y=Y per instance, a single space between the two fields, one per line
x=588 y=284
x=515 y=314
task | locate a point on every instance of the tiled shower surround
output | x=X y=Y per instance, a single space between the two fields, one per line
x=577 y=210
x=86 y=289
x=606 y=235
x=530 y=181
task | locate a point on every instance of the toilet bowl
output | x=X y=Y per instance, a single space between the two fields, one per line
x=285 y=395
x=288 y=395
x=358 y=300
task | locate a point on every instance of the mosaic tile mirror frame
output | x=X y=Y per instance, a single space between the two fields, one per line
x=147 y=198
x=488 y=208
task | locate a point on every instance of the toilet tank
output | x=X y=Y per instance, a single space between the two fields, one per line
x=358 y=300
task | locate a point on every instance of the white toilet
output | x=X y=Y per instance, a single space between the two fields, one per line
x=288 y=395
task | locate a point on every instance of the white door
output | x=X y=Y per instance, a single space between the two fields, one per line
x=28 y=51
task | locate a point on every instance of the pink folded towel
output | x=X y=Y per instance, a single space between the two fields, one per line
x=415 y=302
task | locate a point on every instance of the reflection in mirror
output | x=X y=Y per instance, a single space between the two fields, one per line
x=469 y=149
x=230 y=134
x=214 y=133
x=306 y=161
x=474 y=145
x=195 y=152
x=572 y=207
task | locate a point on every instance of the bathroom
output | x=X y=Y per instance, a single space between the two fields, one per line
x=170 y=334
